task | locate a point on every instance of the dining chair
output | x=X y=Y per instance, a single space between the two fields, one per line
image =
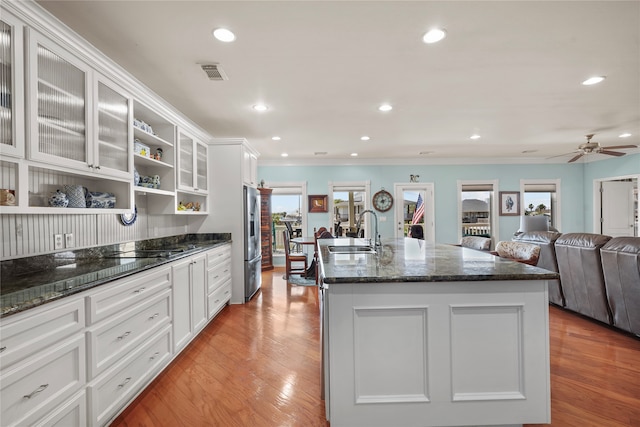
x=293 y=257
x=476 y=242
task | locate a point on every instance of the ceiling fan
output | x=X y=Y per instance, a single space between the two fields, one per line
x=594 y=147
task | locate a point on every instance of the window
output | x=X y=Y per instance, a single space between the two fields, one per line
x=347 y=201
x=287 y=205
x=478 y=209
x=541 y=198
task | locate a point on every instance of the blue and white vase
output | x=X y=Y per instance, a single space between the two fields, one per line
x=58 y=200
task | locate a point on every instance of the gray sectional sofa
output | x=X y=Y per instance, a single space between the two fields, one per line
x=599 y=275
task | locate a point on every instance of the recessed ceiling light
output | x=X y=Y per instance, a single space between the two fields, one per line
x=284 y=155
x=276 y=138
x=260 y=107
x=385 y=107
x=434 y=35
x=593 y=80
x=624 y=135
x=365 y=138
x=224 y=35
x=354 y=154
x=474 y=136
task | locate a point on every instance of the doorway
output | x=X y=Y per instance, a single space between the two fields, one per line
x=616 y=207
x=414 y=205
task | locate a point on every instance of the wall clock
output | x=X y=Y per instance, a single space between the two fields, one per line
x=382 y=200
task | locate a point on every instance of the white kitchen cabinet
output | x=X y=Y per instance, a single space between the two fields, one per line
x=249 y=168
x=192 y=176
x=72 y=413
x=27 y=333
x=189 y=300
x=11 y=86
x=76 y=117
x=109 y=393
x=218 y=279
x=39 y=384
x=158 y=134
x=110 y=340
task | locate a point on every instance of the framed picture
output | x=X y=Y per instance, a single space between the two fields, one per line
x=318 y=203
x=510 y=203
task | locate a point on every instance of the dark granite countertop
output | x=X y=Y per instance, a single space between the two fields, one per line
x=413 y=260
x=32 y=281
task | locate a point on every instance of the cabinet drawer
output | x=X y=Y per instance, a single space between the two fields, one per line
x=24 y=334
x=113 y=389
x=218 y=275
x=41 y=383
x=72 y=413
x=219 y=298
x=217 y=255
x=110 y=340
x=126 y=292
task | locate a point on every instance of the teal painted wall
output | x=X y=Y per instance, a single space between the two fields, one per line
x=576 y=184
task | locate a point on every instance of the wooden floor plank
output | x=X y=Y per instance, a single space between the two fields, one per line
x=258 y=364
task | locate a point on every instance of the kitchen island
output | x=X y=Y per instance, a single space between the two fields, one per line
x=422 y=334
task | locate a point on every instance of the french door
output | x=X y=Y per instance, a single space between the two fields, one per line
x=414 y=204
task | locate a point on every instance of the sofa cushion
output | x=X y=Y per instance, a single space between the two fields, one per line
x=621 y=268
x=546 y=240
x=581 y=274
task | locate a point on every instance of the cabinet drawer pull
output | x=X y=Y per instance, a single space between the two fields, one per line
x=226 y=292
x=3 y=348
x=123 y=336
x=154 y=316
x=137 y=291
x=217 y=301
x=36 y=391
x=154 y=355
x=216 y=276
x=126 y=380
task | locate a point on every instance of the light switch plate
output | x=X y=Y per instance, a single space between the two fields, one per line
x=58 y=243
x=70 y=242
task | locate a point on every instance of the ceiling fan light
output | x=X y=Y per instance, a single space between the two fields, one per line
x=593 y=80
x=434 y=35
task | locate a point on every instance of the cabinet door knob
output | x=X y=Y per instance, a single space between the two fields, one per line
x=154 y=355
x=126 y=380
x=154 y=316
x=137 y=291
x=36 y=391
x=123 y=336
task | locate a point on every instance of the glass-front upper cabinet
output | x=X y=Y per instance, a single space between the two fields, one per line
x=58 y=99
x=192 y=161
x=11 y=86
x=112 y=135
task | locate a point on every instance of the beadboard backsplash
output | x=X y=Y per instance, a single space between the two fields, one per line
x=33 y=234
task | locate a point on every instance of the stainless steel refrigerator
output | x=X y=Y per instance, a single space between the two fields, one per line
x=252 y=251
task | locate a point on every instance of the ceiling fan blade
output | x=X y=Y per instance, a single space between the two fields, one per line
x=576 y=158
x=612 y=153
x=620 y=146
x=560 y=155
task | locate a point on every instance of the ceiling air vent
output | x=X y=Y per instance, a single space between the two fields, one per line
x=214 y=72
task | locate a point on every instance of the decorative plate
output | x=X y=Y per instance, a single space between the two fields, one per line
x=129 y=218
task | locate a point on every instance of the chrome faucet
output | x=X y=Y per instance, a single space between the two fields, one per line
x=376 y=235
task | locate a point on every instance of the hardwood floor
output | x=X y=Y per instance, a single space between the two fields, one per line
x=258 y=364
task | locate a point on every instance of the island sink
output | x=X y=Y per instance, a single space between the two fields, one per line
x=351 y=249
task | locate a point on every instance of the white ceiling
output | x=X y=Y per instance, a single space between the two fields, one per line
x=510 y=71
